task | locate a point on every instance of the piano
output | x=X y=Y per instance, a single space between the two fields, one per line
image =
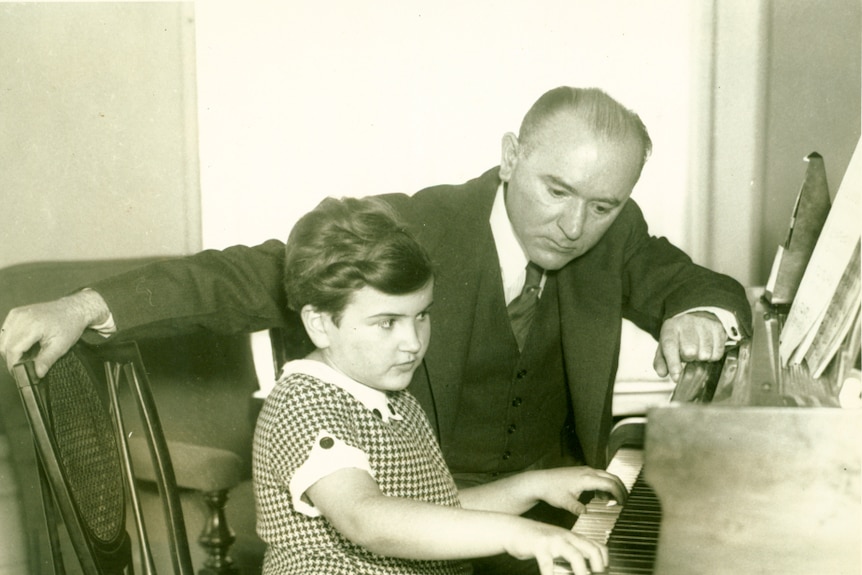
x=752 y=468
x=629 y=531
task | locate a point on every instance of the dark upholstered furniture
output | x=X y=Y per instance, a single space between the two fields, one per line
x=203 y=385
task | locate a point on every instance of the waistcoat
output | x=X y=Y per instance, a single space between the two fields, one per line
x=513 y=406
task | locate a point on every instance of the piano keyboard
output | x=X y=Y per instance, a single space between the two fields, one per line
x=630 y=531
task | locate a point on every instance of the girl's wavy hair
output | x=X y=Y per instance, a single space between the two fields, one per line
x=346 y=244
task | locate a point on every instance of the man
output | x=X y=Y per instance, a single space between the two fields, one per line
x=560 y=200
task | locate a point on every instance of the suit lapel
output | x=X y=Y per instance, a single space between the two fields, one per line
x=590 y=330
x=460 y=258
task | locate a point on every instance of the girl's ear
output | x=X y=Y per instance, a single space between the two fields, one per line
x=315 y=325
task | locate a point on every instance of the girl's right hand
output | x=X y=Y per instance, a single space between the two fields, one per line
x=556 y=549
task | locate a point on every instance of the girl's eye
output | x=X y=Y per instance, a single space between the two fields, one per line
x=423 y=315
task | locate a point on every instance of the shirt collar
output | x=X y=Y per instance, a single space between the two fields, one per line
x=510 y=252
x=375 y=400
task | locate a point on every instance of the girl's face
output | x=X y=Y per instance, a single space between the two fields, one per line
x=381 y=338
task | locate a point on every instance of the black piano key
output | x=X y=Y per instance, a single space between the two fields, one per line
x=630 y=531
x=634 y=539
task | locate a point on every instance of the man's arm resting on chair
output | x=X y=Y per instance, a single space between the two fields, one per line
x=55 y=325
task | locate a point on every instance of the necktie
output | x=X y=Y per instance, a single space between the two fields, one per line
x=523 y=308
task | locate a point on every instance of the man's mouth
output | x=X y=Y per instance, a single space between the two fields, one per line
x=562 y=248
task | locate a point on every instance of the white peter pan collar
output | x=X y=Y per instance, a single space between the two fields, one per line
x=375 y=400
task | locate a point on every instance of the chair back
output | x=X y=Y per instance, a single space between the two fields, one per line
x=79 y=431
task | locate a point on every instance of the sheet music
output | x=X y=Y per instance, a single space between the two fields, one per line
x=838 y=319
x=833 y=252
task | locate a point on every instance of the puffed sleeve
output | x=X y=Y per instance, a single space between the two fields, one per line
x=328 y=455
x=307 y=430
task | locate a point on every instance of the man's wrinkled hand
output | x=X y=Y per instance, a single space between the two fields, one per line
x=694 y=336
x=54 y=325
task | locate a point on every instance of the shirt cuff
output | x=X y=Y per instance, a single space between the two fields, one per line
x=328 y=455
x=107 y=328
x=727 y=319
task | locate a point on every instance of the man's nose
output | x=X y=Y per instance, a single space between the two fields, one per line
x=572 y=220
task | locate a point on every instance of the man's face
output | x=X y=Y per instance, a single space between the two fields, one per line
x=568 y=188
x=381 y=338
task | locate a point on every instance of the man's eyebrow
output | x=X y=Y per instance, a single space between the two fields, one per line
x=559 y=182
x=571 y=189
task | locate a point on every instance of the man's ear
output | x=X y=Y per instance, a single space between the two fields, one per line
x=315 y=325
x=509 y=156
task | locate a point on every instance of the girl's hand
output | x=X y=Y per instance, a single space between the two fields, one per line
x=562 y=487
x=555 y=549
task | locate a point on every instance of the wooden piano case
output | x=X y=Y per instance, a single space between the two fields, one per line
x=766 y=478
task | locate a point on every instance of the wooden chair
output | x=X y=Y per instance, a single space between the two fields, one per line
x=202 y=383
x=80 y=431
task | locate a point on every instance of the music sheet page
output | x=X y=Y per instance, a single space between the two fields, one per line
x=822 y=280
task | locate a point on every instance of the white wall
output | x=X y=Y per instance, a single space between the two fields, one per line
x=303 y=99
x=98 y=141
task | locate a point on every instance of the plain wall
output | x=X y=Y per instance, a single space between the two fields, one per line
x=304 y=99
x=99 y=131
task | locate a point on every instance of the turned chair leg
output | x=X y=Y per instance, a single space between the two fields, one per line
x=217 y=537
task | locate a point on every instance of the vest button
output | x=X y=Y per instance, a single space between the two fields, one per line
x=522 y=373
x=507 y=455
x=517 y=402
x=512 y=429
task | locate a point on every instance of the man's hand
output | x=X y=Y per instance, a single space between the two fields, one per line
x=695 y=336
x=54 y=325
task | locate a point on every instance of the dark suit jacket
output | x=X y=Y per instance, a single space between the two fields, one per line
x=627 y=274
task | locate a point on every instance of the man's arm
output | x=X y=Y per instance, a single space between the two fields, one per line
x=235 y=290
x=662 y=284
x=230 y=291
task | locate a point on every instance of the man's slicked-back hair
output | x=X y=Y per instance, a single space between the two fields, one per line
x=603 y=115
x=345 y=244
